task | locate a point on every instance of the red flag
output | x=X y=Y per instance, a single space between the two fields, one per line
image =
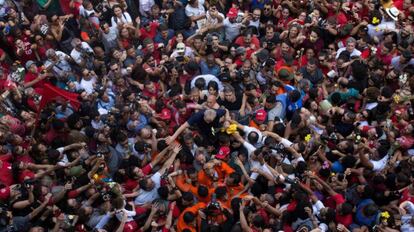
x=51 y=92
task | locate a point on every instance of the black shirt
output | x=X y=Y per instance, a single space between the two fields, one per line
x=205 y=128
x=232 y=106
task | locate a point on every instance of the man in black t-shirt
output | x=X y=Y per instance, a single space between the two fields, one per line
x=232 y=101
x=207 y=121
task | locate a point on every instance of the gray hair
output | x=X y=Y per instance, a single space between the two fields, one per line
x=50 y=52
x=351 y=40
x=210 y=113
x=228 y=89
x=74 y=41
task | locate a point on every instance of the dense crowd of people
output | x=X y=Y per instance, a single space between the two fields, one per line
x=206 y=115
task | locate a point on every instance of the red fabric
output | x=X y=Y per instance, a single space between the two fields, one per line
x=6 y=176
x=51 y=92
x=240 y=41
x=73 y=194
x=149 y=34
x=131 y=226
x=345 y=220
x=31 y=77
x=26 y=174
x=334 y=201
x=4 y=193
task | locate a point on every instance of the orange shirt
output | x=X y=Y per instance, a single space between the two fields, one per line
x=184 y=186
x=181 y=225
x=234 y=190
x=222 y=171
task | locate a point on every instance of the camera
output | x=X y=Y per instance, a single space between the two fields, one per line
x=329 y=138
x=140 y=96
x=410 y=112
x=280 y=148
x=28 y=183
x=270 y=62
x=270 y=44
x=85 y=53
x=290 y=181
x=179 y=58
x=357 y=138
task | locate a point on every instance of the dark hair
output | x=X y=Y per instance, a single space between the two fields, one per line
x=220 y=192
x=188 y=217
x=143 y=184
x=253 y=137
x=163 y=192
x=202 y=191
x=187 y=196
x=213 y=84
x=258 y=221
x=294 y=95
x=200 y=83
x=236 y=177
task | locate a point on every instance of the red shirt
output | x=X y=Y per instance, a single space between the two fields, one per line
x=156 y=53
x=27 y=54
x=6 y=175
x=149 y=34
x=130 y=184
x=345 y=220
x=334 y=201
x=240 y=41
x=154 y=94
x=32 y=76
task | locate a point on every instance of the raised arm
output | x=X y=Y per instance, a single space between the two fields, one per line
x=177 y=133
x=169 y=162
x=39 y=209
x=325 y=185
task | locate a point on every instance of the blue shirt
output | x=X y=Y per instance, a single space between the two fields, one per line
x=257 y=4
x=159 y=39
x=361 y=219
x=205 y=69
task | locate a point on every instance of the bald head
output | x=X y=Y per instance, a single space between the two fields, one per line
x=211 y=101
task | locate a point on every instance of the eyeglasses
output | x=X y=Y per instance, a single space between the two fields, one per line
x=267 y=8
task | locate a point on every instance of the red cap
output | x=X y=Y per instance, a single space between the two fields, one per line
x=4 y=193
x=261 y=115
x=223 y=152
x=165 y=114
x=232 y=13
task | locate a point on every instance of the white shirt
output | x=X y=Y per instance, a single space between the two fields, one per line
x=188 y=52
x=125 y=18
x=211 y=20
x=88 y=86
x=207 y=78
x=232 y=30
x=379 y=165
x=247 y=130
x=76 y=55
x=195 y=11
x=149 y=196
x=62 y=66
x=254 y=24
x=64 y=161
x=355 y=52
x=145 y=6
x=378 y=30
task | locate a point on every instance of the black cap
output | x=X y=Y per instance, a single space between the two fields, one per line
x=407 y=54
x=263 y=55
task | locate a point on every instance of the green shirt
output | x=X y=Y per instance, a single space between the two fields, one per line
x=54 y=6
